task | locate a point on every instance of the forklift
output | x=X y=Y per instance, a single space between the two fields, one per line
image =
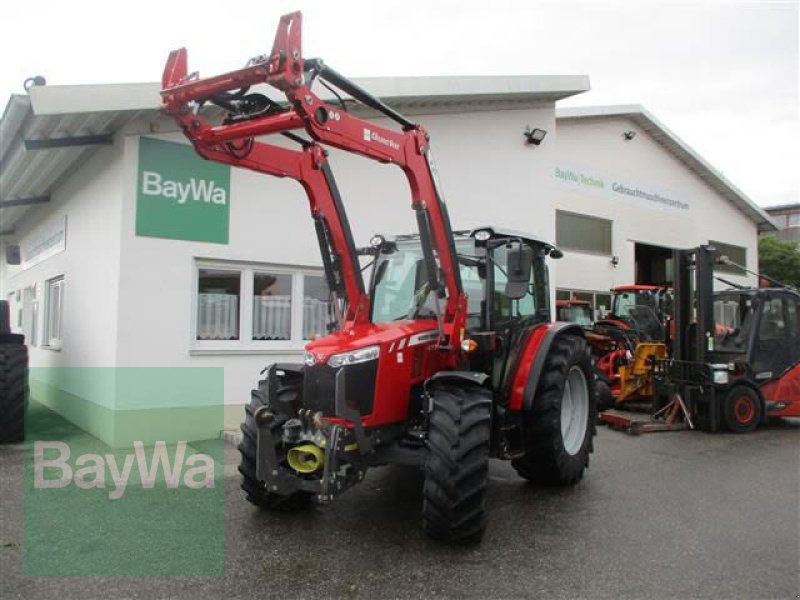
x=736 y=353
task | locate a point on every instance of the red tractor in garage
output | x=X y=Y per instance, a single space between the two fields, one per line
x=448 y=356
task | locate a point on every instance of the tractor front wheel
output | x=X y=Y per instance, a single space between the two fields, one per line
x=741 y=410
x=560 y=427
x=457 y=466
x=287 y=390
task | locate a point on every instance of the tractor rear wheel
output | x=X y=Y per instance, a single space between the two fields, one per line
x=13 y=384
x=560 y=428
x=287 y=390
x=741 y=409
x=457 y=466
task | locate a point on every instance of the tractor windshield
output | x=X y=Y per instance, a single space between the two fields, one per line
x=733 y=318
x=401 y=284
x=623 y=302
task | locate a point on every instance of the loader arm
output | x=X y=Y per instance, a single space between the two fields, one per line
x=310 y=168
x=233 y=142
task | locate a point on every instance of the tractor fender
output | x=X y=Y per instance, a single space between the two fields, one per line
x=471 y=377
x=531 y=362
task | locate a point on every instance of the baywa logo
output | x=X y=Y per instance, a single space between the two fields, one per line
x=197 y=190
x=89 y=471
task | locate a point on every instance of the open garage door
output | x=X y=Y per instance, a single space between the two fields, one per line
x=653 y=264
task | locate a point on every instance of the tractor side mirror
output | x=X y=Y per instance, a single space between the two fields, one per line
x=519 y=266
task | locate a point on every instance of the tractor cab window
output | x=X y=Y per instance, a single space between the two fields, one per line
x=625 y=302
x=401 y=285
x=503 y=307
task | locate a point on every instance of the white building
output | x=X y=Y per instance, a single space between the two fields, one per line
x=124 y=265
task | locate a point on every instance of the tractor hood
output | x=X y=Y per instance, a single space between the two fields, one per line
x=386 y=335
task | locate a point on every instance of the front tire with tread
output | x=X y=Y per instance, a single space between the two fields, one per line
x=457 y=467
x=256 y=491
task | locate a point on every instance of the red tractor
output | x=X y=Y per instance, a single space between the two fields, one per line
x=445 y=359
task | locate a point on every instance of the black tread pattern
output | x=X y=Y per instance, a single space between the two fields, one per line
x=545 y=460
x=256 y=491
x=5 y=317
x=13 y=388
x=457 y=466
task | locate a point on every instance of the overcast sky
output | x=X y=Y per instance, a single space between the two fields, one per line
x=722 y=75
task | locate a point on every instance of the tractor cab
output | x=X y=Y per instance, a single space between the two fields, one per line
x=513 y=289
x=503 y=274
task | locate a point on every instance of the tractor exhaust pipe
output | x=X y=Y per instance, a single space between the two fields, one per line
x=306 y=458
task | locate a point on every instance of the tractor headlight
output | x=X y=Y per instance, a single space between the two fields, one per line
x=354 y=357
x=309 y=359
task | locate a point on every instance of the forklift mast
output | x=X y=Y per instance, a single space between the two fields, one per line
x=694 y=303
x=234 y=142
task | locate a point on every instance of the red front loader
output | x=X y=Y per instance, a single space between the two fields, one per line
x=447 y=359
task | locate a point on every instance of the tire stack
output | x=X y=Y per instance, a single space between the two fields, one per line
x=13 y=380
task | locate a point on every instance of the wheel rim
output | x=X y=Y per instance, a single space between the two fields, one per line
x=743 y=410
x=574 y=410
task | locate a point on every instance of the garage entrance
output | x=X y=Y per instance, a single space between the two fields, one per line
x=653 y=264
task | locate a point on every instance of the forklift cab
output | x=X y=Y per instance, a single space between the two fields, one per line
x=759 y=329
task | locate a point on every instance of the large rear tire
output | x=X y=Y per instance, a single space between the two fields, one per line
x=560 y=429
x=457 y=467
x=288 y=390
x=13 y=387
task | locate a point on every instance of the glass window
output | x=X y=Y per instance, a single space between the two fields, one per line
x=218 y=294
x=503 y=307
x=54 y=310
x=316 y=306
x=793 y=219
x=733 y=316
x=583 y=233
x=602 y=304
x=736 y=254
x=30 y=315
x=272 y=306
x=401 y=286
x=249 y=306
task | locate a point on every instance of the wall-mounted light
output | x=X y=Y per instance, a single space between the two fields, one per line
x=534 y=136
x=628 y=135
x=614 y=261
x=36 y=80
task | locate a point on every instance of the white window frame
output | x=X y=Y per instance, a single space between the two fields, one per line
x=246 y=344
x=53 y=320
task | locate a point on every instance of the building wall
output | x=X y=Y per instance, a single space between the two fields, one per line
x=89 y=200
x=596 y=153
x=488 y=173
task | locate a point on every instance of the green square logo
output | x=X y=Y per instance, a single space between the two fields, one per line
x=179 y=195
